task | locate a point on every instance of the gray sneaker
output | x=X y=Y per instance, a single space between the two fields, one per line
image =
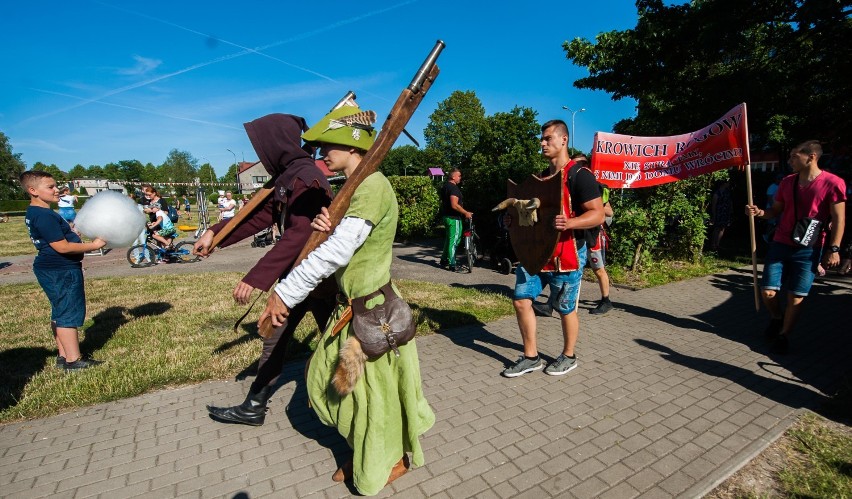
x=523 y=366
x=561 y=365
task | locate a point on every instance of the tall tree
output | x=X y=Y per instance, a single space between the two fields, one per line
x=404 y=160
x=231 y=176
x=11 y=168
x=131 y=169
x=52 y=169
x=95 y=171
x=112 y=171
x=509 y=149
x=150 y=173
x=180 y=166
x=79 y=171
x=687 y=64
x=455 y=128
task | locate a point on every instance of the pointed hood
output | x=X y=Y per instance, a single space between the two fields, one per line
x=276 y=139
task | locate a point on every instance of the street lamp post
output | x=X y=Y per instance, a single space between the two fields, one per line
x=572 y=121
x=238 y=170
x=212 y=178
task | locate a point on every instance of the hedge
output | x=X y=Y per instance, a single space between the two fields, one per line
x=418 y=205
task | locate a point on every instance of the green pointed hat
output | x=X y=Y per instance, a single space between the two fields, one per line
x=346 y=126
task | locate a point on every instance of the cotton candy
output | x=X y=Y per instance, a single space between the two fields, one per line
x=111 y=216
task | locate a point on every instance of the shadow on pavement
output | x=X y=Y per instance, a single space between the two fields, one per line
x=816 y=366
x=471 y=334
x=788 y=392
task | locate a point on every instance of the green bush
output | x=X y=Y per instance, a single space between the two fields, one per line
x=663 y=222
x=14 y=205
x=418 y=205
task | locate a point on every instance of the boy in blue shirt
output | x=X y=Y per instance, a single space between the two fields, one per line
x=58 y=267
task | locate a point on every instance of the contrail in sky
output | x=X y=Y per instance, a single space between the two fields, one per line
x=245 y=51
x=257 y=51
x=155 y=113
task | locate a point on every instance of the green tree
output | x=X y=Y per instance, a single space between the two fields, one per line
x=180 y=167
x=404 y=160
x=112 y=171
x=150 y=173
x=687 y=64
x=11 y=167
x=509 y=150
x=52 y=169
x=231 y=176
x=79 y=171
x=131 y=169
x=95 y=171
x=455 y=129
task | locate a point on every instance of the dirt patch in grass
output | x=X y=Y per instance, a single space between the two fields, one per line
x=762 y=476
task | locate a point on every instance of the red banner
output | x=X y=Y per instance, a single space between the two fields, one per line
x=624 y=161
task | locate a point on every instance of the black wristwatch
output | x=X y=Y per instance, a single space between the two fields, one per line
x=834 y=249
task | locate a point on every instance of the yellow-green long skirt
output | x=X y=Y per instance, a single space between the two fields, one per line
x=383 y=416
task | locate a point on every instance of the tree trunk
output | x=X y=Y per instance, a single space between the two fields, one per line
x=637 y=255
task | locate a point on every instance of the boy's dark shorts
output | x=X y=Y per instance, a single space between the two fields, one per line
x=67 y=296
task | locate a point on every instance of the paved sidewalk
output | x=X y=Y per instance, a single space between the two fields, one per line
x=674 y=391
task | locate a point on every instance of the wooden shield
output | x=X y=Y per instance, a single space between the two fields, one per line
x=534 y=245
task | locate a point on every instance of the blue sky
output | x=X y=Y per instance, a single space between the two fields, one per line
x=93 y=82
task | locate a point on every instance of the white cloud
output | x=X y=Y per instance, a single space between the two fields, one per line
x=144 y=65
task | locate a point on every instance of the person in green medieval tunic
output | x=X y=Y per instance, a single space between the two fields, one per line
x=383 y=411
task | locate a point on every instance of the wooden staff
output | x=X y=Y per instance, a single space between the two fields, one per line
x=751 y=217
x=399 y=115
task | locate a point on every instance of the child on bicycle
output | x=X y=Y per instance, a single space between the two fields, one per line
x=166 y=234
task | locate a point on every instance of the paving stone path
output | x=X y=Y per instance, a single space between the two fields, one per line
x=674 y=391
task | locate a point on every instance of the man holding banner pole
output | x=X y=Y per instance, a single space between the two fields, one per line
x=810 y=206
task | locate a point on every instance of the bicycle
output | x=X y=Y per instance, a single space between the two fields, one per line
x=148 y=254
x=470 y=242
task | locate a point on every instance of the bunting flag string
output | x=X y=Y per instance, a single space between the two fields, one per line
x=250 y=185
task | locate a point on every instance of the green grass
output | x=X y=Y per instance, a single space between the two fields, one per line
x=14 y=238
x=665 y=271
x=160 y=331
x=820 y=464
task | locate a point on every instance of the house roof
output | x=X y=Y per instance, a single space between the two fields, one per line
x=324 y=169
x=245 y=165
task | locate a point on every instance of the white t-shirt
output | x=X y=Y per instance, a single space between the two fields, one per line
x=230 y=206
x=66 y=201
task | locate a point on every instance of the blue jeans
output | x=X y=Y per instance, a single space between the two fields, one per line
x=793 y=266
x=66 y=294
x=564 y=286
x=68 y=214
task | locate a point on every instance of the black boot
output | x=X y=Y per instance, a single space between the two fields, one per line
x=251 y=412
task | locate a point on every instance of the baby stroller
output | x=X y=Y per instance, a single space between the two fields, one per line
x=263 y=238
x=503 y=257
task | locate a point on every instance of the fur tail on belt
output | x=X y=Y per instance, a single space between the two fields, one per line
x=350 y=366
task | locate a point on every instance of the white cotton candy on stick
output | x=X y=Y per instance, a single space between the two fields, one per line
x=112 y=217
